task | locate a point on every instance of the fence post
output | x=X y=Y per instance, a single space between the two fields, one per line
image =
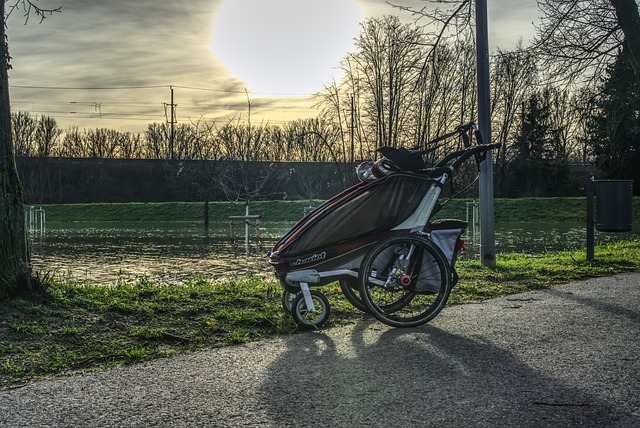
x=245 y=219
x=589 y=188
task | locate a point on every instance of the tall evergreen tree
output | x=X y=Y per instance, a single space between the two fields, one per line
x=539 y=166
x=615 y=138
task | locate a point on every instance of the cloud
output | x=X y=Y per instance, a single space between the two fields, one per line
x=146 y=46
x=113 y=44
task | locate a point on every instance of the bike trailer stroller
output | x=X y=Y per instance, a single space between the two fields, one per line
x=376 y=240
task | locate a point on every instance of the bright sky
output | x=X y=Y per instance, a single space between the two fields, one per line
x=111 y=63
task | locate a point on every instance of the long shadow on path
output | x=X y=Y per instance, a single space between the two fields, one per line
x=564 y=357
x=419 y=377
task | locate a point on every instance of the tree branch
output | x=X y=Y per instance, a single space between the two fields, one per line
x=29 y=7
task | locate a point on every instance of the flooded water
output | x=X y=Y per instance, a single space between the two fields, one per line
x=118 y=252
x=115 y=252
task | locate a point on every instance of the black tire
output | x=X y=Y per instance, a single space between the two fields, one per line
x=405 y=280
x=287 y=300
x=308 y=319
x=349 y=288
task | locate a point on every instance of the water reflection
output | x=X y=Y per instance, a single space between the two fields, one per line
x=119 y=252
x=115 y=252
x=537 y=238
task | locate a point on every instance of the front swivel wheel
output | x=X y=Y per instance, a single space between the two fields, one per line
x=307 y=318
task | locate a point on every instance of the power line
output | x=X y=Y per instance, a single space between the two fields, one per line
x=142 y=111
x=293 y=94
x=85 y=103
x=105 y=88
x=124 y=106
x=109 y=88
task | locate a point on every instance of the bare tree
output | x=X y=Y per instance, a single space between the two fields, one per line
x=446 y=89
x=514 y=75
x=584 y=110
x=130 y=145
x=341 y=105
x=102 y=143
x=333 y=110
x=386 y=61
x=46 y=137
x=156 y=138
x=187 y=143
x=391 y=95
x=15 y=270
x=74 y=144
x=578 y=38
x=574 y=36
x=23 y=127
x=208 y=144
x=246 y=143
x=312 y=140
x=445 y=21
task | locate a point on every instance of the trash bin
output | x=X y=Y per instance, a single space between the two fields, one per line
x=614 y=205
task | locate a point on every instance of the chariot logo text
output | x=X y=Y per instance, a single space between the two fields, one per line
x=314 y=258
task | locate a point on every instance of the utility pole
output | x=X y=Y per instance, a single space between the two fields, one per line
x=171 y=120
x=487 y=226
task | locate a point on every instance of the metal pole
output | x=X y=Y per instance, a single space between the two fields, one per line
x=487 y=227
x=232 y=234
x=246 y=230
x=589 y=188
x=171 y=141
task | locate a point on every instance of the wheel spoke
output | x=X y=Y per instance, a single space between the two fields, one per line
x=310 y=319
x=408 y=280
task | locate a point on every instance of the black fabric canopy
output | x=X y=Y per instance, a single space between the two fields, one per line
x=378 y=206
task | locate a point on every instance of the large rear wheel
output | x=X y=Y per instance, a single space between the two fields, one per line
x=349 y=288
x=405 y=280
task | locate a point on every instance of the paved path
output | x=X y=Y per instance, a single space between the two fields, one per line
x=562 y=357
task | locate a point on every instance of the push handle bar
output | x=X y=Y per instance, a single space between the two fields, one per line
x=460 y=130
x=445 y=167
x=450 y=162
x=477 y=150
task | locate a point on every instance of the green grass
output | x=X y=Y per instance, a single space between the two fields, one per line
x=78 y=327
x=552 y=210
x=174 y=211
x=533 y=210
x=516 y=273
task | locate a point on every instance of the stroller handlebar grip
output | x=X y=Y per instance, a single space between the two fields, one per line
x=439 y=171
x=461 y=156
x=477 y=150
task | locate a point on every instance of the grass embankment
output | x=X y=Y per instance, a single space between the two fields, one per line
x=533 y=210
x=78 y=327
x=549 y=210
x=175 y=211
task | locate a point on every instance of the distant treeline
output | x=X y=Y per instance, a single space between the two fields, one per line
x=81 y=180
x=67 y=180
x=390 y=96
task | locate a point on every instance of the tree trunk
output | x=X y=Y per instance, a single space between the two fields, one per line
x=629 y=21
x=14 y=256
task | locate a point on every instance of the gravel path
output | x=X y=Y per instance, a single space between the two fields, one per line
x=562 y=357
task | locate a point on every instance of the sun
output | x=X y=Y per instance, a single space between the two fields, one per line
x=285 y=47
